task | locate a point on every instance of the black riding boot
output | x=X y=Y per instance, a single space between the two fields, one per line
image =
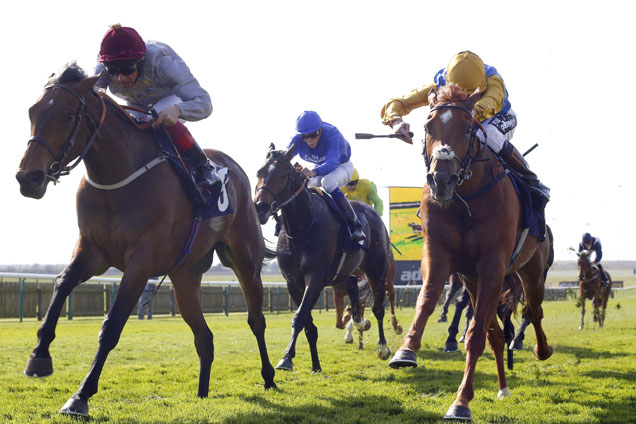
x=515 y=159
x=205 y=173
x=604 y=280
x=355 y=226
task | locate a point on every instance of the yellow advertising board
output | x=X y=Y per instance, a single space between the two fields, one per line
x=406 y=226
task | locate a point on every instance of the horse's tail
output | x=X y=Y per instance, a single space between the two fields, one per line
x=551 y=254
x=512 y=291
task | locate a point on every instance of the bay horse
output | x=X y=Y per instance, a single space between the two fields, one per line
x=471 y=223
x=344 y=320
x=311 y=249
x=141 y=228
x=590 y=284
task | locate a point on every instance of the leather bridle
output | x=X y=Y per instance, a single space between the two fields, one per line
x=56 y=169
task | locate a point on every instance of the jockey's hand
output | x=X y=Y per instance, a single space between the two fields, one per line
x=168 y=116
x=401 y=127
x=308 y=173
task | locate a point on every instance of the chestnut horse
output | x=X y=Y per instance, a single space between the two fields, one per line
x=471 y=222
x=311 y=249
x=590 y=284
x=339 y=295
x=141 y=228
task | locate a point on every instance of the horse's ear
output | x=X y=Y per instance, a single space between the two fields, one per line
x=271 y=147
x=88 y=83
x=289 y=154
x=432 y=97
x=472 y=99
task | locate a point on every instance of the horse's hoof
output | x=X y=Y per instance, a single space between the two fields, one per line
x=542 y=357
x=503 y=393
x=271 y=385
x=398 y=329
x=458 y=413
x=450 y=347
x=403 y=358
x=75 y=406
x=462 y=339
x=384 y=352
x=516 y=345
x=39 y=367
x=348 y=338
x=363 y=325
x=581 y=327
x=316 y=370
x=442 y=318
x=285 y=364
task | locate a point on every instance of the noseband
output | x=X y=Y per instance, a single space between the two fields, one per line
x=277 y=204
x=56 y=169
x=465 y=165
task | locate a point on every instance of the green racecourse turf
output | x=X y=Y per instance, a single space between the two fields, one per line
x=151 y=376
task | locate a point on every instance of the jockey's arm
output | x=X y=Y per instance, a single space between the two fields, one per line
x=375 y=199
x=398 y=107
x=492 y=100
x=196 y=103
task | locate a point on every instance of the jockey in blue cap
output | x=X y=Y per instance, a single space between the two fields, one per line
x=322 y=144
x=593 y=244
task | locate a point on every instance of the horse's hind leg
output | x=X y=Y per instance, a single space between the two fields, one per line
x=242 y=258
x=378 y=288
x=186 y=285
x=390 y=292
x=86 y=262
x=533 y=284
x=582 y=303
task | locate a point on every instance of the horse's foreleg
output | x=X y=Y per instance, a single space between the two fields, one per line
x=306 y=302
x=582 y=302
x=311 y=332
x=433 y=285
x=129 y=292
x=86 y=262
x=485 y=305
x=496 y=339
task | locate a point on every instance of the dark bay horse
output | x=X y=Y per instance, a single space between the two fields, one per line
x=590 y=284
x=471 y=224
x=343 y=320
x=141 y=228
x=310 y=249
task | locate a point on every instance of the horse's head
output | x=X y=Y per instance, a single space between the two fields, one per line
x=449 y=145
x=277 y=182
x=584 y=264
x=56 y=125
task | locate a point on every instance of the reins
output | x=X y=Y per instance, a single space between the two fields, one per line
x=56 y=169
x=465 y=171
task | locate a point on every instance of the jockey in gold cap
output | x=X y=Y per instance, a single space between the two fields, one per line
x=493 y=110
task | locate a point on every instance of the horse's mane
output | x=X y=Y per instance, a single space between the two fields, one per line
x=69 y=73
x=451 y=93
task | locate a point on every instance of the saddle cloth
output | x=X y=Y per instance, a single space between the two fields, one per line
x=212 y=204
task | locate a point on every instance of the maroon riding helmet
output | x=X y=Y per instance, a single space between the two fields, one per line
x=121 y=44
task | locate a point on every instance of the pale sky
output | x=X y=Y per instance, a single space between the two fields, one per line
x=567 y=66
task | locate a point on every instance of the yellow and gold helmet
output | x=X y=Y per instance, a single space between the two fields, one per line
x=467 y=70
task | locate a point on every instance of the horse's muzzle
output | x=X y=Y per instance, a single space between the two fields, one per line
x=264 y=211
x=32 y=183
x=442 y=185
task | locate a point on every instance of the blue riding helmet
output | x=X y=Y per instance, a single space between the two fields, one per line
x=308 y=122
x=587 y=238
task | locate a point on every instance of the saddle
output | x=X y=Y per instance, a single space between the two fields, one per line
x=206 y=204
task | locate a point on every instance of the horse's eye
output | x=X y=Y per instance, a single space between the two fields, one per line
x=69 y=116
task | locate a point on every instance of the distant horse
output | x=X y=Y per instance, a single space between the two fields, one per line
x=590 y=284
x=141 y=227
x=471 y=223
x=362 y=280
x=312 y=252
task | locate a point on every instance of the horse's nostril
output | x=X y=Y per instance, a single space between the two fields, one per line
x=453 y=179
x=430 y=179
